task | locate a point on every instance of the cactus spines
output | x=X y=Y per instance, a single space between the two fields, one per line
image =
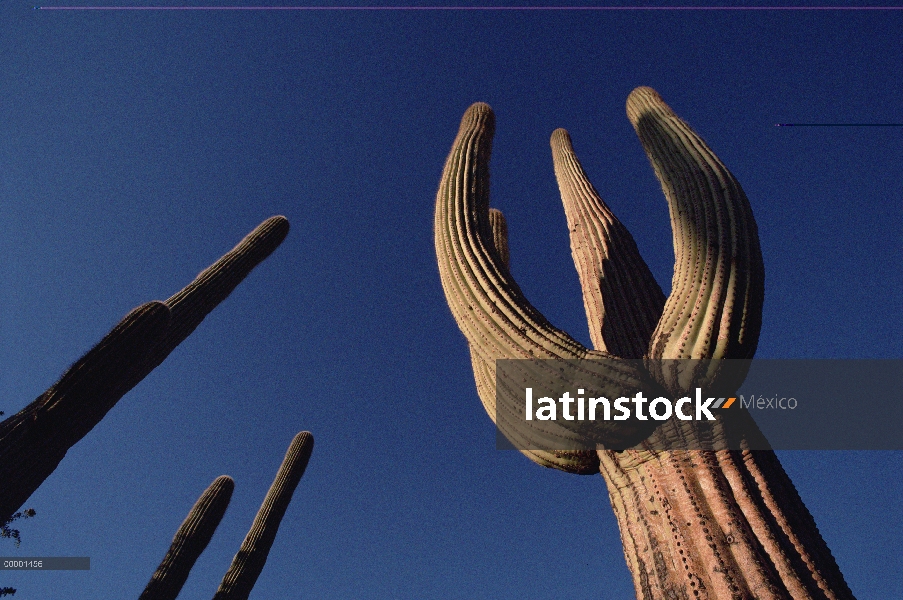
x=190 y=541
x=694 y=524
x=251 y=557
x=35 y=440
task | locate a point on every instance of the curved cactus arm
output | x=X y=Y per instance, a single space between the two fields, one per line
x=190 y=541
x=489 y=307
x=584 y=462
x=714 y=310
x=622 y=299
x=249 y=562
x=34 y=441
x=485 y=301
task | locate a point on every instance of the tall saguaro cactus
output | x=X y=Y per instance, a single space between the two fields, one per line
x=35 y=440
x=694 y=523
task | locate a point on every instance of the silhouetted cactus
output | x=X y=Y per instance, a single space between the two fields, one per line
x=35 y=440
x=195 y=533
x=248 y=562
x=694 y=524
x=190 y=541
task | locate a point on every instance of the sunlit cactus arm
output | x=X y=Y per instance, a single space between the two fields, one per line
x=485 y=301
x=190 y=541
x=622 y=299
x=584 y=462
x=251 y=557
x=489 y=307
x=715 y=306
x=35 y=440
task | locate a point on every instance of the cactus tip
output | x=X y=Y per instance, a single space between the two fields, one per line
x=225 y=481
x=478 y=115
x=478 y=108
x=304 y=438
x=641 y=101
x=277 y=223
x=560 y=140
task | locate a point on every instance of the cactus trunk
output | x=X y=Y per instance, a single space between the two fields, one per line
x=717 y=524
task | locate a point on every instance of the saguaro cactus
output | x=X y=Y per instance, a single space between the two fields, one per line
x=197 y=529
x=249 y=561
x=35 y=440
x=190 y=541
x=694 y=523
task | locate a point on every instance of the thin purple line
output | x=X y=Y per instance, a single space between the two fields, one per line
x=549 y=8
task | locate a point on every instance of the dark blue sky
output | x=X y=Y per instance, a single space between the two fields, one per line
x=137 y=147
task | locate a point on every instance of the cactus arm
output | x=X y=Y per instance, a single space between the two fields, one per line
x=486 y=302
x=715 y=306
x=622 y=299
x=249 y=562
x=489 y=307
x=214 y=284
x=190 y=541
x=34 y=441
x=580 y=462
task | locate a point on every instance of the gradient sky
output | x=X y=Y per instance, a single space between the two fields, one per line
x=137 y=147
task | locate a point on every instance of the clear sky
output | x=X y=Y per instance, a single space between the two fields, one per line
x=137 y=147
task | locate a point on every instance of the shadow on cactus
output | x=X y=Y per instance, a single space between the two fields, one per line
x=694 y=523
